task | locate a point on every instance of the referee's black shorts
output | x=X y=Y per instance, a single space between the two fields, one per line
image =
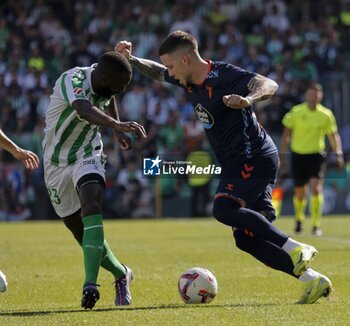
x=306 y=166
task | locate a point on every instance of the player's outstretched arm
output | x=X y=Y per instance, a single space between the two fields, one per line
x=28 y=158
x=92 y=114
x=260 y=87
x=148 y=68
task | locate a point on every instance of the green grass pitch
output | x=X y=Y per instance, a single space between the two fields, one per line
x=44 y=268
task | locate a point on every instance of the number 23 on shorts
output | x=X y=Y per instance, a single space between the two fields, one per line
x=54 y=197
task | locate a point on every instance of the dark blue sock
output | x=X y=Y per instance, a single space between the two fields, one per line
x=229 y=212
x=264 y=251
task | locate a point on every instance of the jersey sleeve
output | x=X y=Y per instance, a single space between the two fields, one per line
x=331 y=123
x=237 y=79
x=72 y=86
x=287 y=120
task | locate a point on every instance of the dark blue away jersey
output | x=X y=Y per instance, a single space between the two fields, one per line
x=234 y=134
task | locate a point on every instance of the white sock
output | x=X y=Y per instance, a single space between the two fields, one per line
x=309 y=275
x=290 y=245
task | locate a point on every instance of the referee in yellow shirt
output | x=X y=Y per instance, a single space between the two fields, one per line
x=305 y=128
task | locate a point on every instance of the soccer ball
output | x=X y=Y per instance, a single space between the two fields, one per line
x=3 y=282
x=197 y=285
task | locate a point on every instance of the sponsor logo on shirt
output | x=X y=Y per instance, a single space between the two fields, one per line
x=204 y=116
x=78 y=91
x=89 y=162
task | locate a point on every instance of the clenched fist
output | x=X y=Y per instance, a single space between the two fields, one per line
x=234 y=101
x=124 y=48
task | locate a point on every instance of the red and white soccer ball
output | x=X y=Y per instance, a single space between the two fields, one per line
x=197 y=285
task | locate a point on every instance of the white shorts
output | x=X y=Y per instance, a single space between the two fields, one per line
x=61 y=182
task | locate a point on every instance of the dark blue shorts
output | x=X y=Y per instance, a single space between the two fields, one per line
x=250 y=183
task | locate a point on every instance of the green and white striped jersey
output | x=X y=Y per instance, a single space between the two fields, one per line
x=69 y=138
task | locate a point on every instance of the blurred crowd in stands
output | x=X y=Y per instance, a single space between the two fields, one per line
x=292 y=42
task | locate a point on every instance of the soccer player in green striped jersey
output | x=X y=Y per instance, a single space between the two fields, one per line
x=82 y=100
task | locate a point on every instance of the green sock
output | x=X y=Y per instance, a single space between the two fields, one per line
x=92 y=246
x=110 y=263
x=299 y=208
x=316 y=206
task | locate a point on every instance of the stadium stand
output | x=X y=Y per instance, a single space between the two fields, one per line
x=291 y=42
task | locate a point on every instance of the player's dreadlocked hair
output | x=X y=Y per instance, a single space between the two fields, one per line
x=114 y=63
x=177 y=40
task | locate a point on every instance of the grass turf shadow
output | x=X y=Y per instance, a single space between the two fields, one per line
x=30 y=313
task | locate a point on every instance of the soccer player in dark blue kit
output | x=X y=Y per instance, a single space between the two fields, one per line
x=222 y=96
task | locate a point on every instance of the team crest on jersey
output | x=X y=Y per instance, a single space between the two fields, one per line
x=76 y=80
x=213 y=74
x=204 y=116
x=78 y=90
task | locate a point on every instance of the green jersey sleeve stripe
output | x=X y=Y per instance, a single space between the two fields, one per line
x=72 y=155
x=63 y=87
x=64 y=137
x=64 y=115
x=88 y=148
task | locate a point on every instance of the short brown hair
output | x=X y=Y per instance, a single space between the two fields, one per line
x=176 y=41
x=314 y=86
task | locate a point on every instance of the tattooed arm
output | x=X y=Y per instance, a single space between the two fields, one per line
x=261 y=88
x=148 y=68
